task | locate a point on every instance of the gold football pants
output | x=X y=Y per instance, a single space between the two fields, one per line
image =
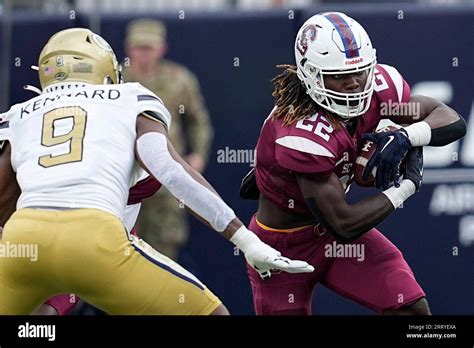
x=88 y=252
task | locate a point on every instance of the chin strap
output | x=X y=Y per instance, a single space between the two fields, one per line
x=33 y=88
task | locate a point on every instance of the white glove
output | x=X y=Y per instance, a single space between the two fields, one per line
x=263 y=258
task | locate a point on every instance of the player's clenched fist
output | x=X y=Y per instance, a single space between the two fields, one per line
x=264 y=258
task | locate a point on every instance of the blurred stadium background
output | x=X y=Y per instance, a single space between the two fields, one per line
x=233 y=47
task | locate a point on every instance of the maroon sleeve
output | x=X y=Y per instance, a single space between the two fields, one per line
x=143 y=189
x=304 y=155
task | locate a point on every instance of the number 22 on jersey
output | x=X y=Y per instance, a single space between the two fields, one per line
x=323 y=127
x=74 y=137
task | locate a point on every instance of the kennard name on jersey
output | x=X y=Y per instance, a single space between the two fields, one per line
x=71 y=144
x=57 y=93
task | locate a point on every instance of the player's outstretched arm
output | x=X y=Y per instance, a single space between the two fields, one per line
x=326 y=199
x=157 y=156
x=9 y=189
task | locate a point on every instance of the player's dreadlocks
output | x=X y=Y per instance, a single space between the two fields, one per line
x=292 y=101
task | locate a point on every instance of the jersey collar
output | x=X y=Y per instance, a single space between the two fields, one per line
x=64 y=86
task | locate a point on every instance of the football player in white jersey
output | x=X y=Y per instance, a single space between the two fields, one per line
x=75 y=151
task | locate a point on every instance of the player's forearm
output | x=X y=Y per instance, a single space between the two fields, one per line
x=233 y=225
x=193 y=173
x=349 y=222
x=440 y=127
x=352 y=221
x=159 y=158
x=185 y=184
x=230 y=230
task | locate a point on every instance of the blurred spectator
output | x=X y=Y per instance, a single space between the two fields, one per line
x=162 y=221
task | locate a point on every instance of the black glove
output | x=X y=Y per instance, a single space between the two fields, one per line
x=392 y=148
x=414 y=166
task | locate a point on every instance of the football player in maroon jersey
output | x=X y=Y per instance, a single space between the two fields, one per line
x=325 y=105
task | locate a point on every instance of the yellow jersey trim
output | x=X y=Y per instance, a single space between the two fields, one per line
x=288 y=230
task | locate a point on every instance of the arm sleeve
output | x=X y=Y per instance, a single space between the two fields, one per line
x=151 y=106
x=153 y=151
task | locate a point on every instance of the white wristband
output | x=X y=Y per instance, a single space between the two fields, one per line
x=419 y=133
x=398 y=195
x=243 y=238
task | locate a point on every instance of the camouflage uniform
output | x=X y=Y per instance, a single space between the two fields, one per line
x=163 y=220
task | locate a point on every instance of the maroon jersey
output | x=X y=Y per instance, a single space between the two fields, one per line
x=312 y=146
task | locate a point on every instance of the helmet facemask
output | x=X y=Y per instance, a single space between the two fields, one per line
x=345 y=105
x=119 y=76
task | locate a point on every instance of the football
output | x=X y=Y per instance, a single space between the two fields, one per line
x=365 y=154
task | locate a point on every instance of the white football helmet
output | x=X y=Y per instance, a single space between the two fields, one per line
x=332 y=43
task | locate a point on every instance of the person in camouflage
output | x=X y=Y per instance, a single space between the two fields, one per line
x=162 y=221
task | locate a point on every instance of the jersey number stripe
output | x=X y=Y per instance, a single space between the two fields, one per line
x=75 y=137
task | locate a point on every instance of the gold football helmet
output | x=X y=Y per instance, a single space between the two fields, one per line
x=78 y=54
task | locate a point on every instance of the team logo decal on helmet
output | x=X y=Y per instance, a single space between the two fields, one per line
x=308 y=34
x=61 y=76
x=342 y=47
x=59 y=61
x=99 y=41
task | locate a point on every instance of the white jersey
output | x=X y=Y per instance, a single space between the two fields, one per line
x=73 y=146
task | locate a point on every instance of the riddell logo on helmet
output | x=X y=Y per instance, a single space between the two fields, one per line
x=354 y=61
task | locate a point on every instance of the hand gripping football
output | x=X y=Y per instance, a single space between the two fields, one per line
x=366 y=152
